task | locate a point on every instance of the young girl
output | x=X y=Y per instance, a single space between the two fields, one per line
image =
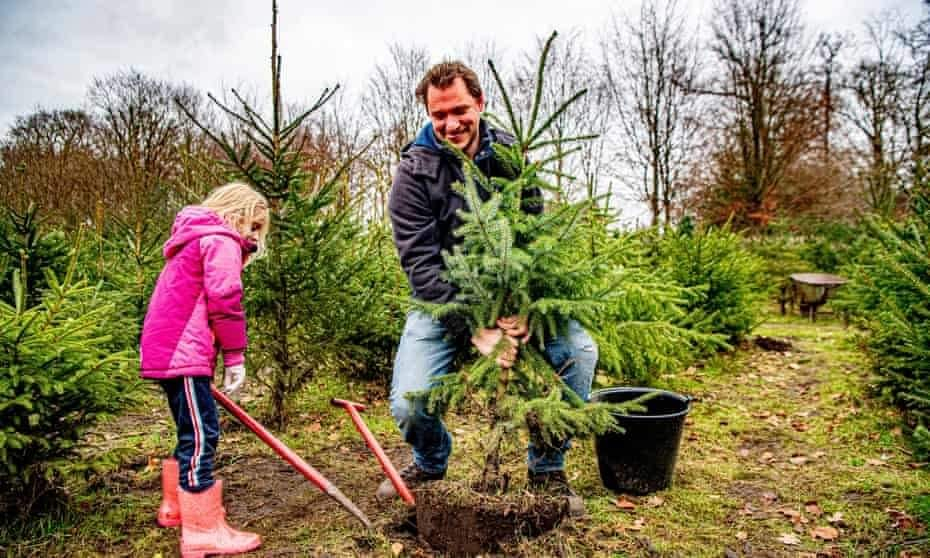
x=196 y=311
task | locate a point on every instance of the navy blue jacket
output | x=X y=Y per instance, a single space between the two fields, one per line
x=423 y=207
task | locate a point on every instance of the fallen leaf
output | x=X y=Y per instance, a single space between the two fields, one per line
x=742 y=535
x=315 y=427
x=798 y=460
x=637 y=525
x=794 y=366
x=792 y=514
x=762 y=415
x=625 y=504
x=789 y=539
x=655 y=501
x=836 y=519
x=901 y=519
x=875 y=462
x=743 y=452
x=396 y=549
x=813 y=508
x=825 y=533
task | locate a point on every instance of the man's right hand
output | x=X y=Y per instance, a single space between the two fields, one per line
x=486 y=340
x=516 y=327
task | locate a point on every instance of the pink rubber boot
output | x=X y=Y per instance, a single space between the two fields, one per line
x=204 y=529
x=169 y=513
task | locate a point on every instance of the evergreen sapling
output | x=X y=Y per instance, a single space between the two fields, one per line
x=510 y=263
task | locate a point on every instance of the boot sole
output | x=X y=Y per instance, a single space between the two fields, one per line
x=204 y=552
x=168 y=523
x=213 y=551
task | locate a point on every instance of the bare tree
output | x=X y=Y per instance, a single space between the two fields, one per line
x=650 y=63
x=138 y=134
x=392 y=112
x=769 y=105
x=828 y=49
x=48 y=158
x=569 y=69
x=916 y=106
x=875 y=87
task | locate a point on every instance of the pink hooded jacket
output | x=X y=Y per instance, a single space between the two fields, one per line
x=196 y=308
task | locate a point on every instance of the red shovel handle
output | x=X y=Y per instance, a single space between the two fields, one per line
x=285 y=452
x=353 y=409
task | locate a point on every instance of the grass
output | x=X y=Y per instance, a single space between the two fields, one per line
x=784 y=454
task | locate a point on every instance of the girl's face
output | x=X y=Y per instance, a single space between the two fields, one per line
x=251 y=228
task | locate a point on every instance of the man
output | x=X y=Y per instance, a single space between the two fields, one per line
x=423 y=210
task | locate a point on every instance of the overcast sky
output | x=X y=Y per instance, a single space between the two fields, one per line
x=51 y=49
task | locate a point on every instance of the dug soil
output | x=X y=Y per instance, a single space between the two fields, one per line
x=454 y=519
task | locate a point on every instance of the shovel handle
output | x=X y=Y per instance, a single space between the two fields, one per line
x=288 y=455
x=353 y=409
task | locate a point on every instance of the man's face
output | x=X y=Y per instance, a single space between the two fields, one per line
x=455 y=115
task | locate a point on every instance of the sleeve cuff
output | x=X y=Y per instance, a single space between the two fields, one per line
x=233 y=358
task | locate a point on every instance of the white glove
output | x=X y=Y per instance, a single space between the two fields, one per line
x=233 y=378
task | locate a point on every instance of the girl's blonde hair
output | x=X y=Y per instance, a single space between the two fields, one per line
x=237 y=202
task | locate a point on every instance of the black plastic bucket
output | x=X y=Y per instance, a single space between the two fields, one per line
x=641 y=459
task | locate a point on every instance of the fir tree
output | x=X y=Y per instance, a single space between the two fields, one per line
x=889 y=295
x=314 y=254
x=58 y=377
x=510 y=263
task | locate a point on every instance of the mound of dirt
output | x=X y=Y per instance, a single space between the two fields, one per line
x=772 y=344
x=454 y=519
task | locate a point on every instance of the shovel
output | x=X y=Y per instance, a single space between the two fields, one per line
x=353 y=409
x=295 y=460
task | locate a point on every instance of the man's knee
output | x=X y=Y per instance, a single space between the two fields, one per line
x=406 y=411
x=401 y=409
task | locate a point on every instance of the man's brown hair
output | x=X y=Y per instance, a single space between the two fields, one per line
x=443 y=74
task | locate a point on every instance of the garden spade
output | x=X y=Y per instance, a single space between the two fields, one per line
x=288 y=455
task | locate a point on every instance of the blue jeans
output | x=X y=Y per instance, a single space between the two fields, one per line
x=424 y=354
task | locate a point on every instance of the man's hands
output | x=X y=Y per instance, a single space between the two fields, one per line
x=233 y=378
x=512 y=329
x=516 y=327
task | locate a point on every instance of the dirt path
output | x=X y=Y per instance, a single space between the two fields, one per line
x=792 y=458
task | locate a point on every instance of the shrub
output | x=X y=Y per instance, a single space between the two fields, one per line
x=637 y=330
x=25 y=247
x=721 y=275
x=889 y=295
x=56 y=381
